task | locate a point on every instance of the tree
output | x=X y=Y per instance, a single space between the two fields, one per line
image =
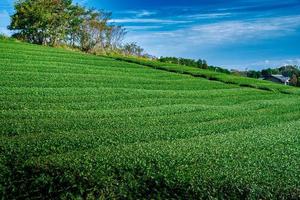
x=266 y=72
x=298 y=82
x=204 y=64
x=289 y=70
x=41 y=21
x=115 y=36
x=55 y=22
x=294 y=80
x=199 y=63
x=132 y=49
x=76 y=19
x=253 y=74
x=93 y=31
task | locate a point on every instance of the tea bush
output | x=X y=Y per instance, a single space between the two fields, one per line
x=77 y=126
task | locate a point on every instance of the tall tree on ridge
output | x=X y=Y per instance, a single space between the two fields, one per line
x=55 y=22
x=41 y=21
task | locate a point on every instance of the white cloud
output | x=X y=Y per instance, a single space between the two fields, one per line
x=203 y=40
x=209 y=15
x=138 y=13
x=136 y=28
x=225 y=32
x=139 y=20
x=82 y=2
x=291 y=62
x=272 y=63
x=243 y=30
x=145 y=13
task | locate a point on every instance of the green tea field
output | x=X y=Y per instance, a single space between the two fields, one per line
x=78 y=126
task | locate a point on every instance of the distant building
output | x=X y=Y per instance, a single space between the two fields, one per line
x=278 y=79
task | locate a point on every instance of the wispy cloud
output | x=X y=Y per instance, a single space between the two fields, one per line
x=241 y=33
x=259 y=5
x=204 y=40
x=148 y=20
x=272 y=63
x=139 y=13
x=145 y=13
x=232 y=31
x=138 y=28
x=246 y=29
x=208 y=16
x=81 y=2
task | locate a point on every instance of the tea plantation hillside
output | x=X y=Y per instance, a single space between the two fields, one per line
x=76 y=126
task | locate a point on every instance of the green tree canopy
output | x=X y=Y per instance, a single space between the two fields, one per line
x=54 y=22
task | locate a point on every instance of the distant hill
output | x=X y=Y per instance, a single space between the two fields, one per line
x=79 y=126
x=211 y=75
x=291 y=71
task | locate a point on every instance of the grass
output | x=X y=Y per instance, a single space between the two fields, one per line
x=211 y=75
x=80 y=126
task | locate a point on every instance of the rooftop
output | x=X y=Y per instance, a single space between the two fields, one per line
x=281 y=78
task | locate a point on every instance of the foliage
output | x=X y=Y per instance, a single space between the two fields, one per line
x=294 y=80
x=132 y=49
x=288 y=71
x=267 y=72
x=253 y=74
x=58 y=22
x=185 y=61
x=192 y=63
x=77 y=126
x=211 y=75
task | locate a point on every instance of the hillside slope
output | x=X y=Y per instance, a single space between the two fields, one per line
x=80 y=126
x=212 y=75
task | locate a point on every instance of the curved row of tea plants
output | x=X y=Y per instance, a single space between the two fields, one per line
x=211 y=75
x=76 y=126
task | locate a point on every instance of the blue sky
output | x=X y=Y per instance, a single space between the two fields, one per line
x=242 y=34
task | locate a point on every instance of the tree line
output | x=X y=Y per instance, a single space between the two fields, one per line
x=60 y=22
x=291 y=71
x=193 y=63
